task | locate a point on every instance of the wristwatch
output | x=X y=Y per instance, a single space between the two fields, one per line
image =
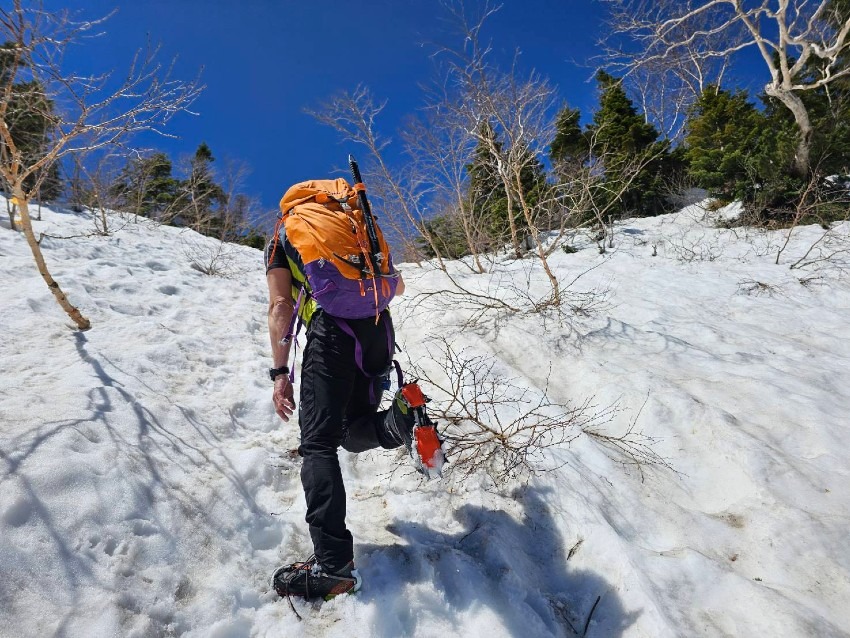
x=274 y=372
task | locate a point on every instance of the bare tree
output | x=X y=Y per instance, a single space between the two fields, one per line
x=93 y=186
x=594 y=182
x=85 y=113
x=789 y=35
x=512 y=116
x=398 y=195
x=440 y=151
x=666 y=89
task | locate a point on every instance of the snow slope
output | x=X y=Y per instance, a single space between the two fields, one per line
x=148 y=489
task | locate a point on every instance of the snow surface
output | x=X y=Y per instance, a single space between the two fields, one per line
x=148 y=489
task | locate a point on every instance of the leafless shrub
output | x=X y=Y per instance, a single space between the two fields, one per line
x=812 y=281
x=208 y=249
x=92 y=191
x=689 y=246
x=830 y=252
x=755 y=288
x=492 y=424
x=630 y=448
x=486 y=301
x=208 y=255
x=827 y=203
x=761 y=241
x=495 y=425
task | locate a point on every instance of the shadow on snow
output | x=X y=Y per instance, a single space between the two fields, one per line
x=518 y=569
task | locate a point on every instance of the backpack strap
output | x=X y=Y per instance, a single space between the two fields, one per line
x=290 y=335
x=399 y=373
x=358 y=354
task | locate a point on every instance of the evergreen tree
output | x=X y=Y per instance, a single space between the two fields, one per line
x=630 y=150
x=724 y=141
x=146 y=186
x=829 y=112
x=30 y=116
x=201 y=198
x=487 y=187
x=447 y=234
x=486 y=192
x=254 y=238
x=569 y=144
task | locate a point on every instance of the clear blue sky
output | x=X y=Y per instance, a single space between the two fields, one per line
x=264 y=61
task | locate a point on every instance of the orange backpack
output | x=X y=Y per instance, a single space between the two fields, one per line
x=324 y=223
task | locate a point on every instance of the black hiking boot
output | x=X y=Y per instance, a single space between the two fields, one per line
x=401 y=420
x=310 y=580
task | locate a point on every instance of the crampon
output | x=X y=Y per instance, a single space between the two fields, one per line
x=426 y=447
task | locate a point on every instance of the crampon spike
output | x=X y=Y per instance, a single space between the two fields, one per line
x=428 y=450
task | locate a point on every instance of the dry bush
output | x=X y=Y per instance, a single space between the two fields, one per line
x=688 y=247
x=208 y=255
x=755 y=288
x=830 y=252
x=630 y=448
x=493 y=424
x=827 y=203
x=489 y=299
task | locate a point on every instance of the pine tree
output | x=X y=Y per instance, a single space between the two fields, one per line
x=487 y=188
x=570 y=143
x=447 y=234
x=630 y=151
x=201 y=198
x=486 y=192
x=724 y=142
x=146 y=186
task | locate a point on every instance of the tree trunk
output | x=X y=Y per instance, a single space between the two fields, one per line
x=469 y=233
x=11 y=209
x=26 y=224
x=506 y=183
x=802 y=157
x=535 y=233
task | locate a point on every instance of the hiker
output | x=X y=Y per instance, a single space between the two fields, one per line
x=346 y=362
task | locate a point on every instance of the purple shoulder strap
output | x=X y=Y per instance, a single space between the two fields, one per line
x=358 y=352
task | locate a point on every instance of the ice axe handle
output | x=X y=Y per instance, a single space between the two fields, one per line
x=367 y=214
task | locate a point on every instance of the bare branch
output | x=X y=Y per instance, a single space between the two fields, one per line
x=80 y=114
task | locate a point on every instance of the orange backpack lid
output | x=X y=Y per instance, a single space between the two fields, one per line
x=306 y=191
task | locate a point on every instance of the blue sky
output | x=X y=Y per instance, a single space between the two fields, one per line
x=264 y=61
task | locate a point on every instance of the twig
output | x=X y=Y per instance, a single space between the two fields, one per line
x=590 y=615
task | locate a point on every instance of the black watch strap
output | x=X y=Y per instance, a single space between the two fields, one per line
x=275 y=372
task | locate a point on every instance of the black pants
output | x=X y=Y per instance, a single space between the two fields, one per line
x=335 y=410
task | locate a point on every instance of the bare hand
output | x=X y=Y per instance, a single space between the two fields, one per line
x=282 y=397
